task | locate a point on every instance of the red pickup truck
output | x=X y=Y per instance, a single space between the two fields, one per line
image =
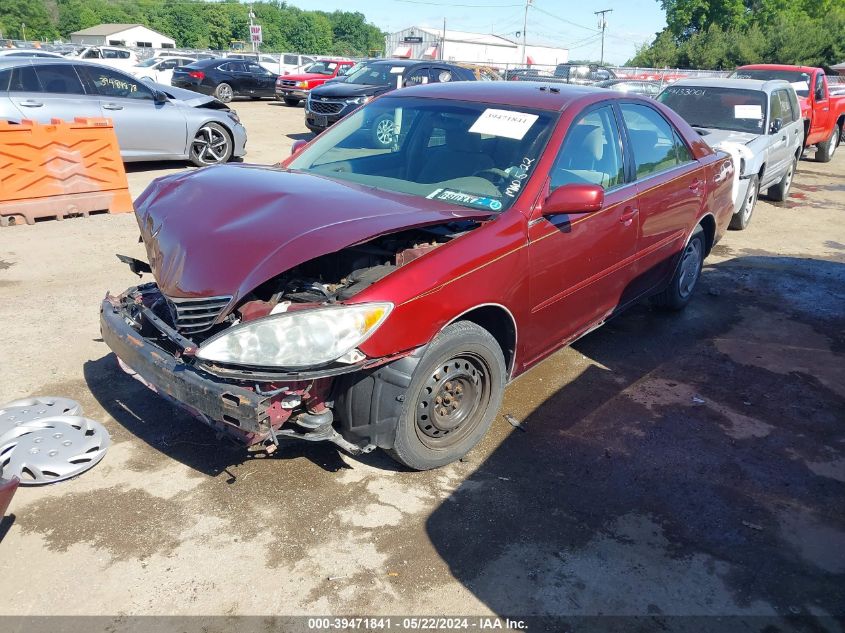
x=823 y=113
x=294 y=88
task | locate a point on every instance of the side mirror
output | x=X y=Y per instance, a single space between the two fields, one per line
x=297 y=146
x=159 y=97
x=776 y=125
x=574 y=199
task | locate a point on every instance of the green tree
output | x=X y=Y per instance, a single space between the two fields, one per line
x=31 y=13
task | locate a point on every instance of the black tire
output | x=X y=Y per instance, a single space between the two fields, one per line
x=382 y=131
x=742 y=218
x=826 y=150
x=224 y=92
x=680 y=290
x=454 y=394
x=291 y=102
x=212 y=145
x=780 y=191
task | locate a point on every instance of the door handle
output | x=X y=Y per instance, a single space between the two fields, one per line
x=628 y=215
x=112 y=106
x=29 y=103
x=695 y=186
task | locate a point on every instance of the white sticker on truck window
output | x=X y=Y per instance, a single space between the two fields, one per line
x=748 y=112
x=397 y=70
x=506 y=123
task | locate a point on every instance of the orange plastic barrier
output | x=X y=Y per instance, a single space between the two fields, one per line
x=60 y=169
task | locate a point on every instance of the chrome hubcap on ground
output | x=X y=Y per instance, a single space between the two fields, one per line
x=384 y=132
x=210 y=145
x=452 y=397
x=690 y=266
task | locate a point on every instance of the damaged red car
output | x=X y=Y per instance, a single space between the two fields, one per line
x=378 y=296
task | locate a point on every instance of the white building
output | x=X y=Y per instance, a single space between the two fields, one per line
x=121 y=35
x=421 y=42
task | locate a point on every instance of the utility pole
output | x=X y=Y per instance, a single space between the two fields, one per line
x=524 y=27
x=23 y=29
x=603 y=26
x=443 y=41
x=251 y=18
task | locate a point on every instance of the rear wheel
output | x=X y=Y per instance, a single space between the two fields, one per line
x=780 y=191
x=679 y=292
x=454 y=394
x=742 y=218
x=212 y=144
x=826 y=150
x=224 y=92
x=291 y=102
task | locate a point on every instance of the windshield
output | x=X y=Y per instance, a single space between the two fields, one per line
x=468 y=154
x=800 y=81
x=148 y=62
x=719 y=108
x=321 y=68
x=375 y=75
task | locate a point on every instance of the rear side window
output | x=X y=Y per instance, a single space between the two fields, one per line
x=232 y=67
x=654 y=142
x=59 y=79
x=591 y=152
x=24 y=79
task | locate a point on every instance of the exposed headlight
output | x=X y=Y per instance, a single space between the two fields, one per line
x=298 y=339
x=301 y=84
x=359 y=100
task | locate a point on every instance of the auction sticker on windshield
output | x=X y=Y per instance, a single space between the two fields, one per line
x=467 y=199
x=507 y=123
x=748 y=112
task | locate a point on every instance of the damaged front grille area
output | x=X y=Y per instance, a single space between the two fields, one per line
x=192 y=316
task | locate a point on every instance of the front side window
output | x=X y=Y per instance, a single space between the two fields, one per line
x=59 y=79
x=24 y=79
x=734 y=109
x=653 y=140
x=116 y=85
x=468 y=154
x=775 y=111
x=819 y=87
x=591 y=153
x=786 y=107
x=92 y=54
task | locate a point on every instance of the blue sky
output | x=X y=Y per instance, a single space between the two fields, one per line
x=572 y=24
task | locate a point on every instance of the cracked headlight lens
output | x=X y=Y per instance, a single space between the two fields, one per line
x=298 y=339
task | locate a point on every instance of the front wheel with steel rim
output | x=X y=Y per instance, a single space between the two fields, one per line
x=454 y=394
x=682 y=286
x=383 y=131
x=212 y=144
x=826 y=150
x=224 y=92
x=780 y=191
x=742 y=218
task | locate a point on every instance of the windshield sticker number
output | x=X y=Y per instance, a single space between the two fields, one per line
x=748 y=111
x=687 y=92
x=506 y=123
x=518 y=174
x=467 y=199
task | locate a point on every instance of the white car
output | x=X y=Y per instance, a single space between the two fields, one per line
x=159 y=69
x=114 y=56
x=284 y=64
x=27 y=52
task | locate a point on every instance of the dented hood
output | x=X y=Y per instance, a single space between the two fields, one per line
x=226 y=229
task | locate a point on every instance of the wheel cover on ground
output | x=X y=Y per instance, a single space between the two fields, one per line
x=210 y=145
x=452 y=401
x=690 y=268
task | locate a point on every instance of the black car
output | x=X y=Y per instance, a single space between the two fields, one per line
x=331 y=102
x=226 y=78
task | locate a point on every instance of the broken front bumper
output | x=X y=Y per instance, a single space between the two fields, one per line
x=236 y=409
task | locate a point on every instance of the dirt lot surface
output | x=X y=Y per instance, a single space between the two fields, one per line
x=672 y=464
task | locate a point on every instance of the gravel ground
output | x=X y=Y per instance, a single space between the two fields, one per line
x=689 y=464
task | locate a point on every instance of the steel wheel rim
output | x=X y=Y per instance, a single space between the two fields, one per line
x=453 y=397
x=210 y=145
x=225 y=92
x=690 y=267
x=384 y=132
x=750 y=201
x=789 y=175
x=834 y=141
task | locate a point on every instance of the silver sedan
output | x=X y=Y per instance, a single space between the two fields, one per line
x=152 y=121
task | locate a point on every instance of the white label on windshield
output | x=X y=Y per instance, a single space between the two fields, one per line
x=332 y=66
x=748 y=112
x=397 y=70
x=505 y=123
x=799 y=85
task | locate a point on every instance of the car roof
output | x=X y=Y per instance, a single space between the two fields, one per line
x=762 y=85
x=6 y=61
x=525 y=94
x=803 y=69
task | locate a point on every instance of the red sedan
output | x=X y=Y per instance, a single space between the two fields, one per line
x=379 y=296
